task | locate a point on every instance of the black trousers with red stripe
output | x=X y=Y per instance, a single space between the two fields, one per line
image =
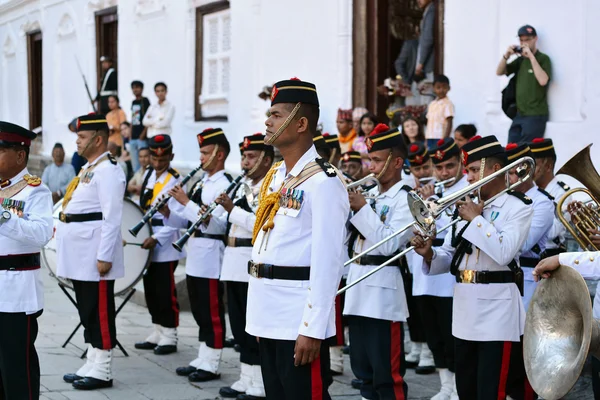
x=284 y=381
x=436 y=315
x=19 y=364
x=377 y=357
x=340 y=320
x=415 y=322
x=161 y=293
x=237 y=300
x=96 y=306
x=206 y=301
x=491 y=370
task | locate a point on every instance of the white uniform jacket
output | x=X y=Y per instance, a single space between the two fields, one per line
x=235 y=259
x=488 y=312
x=166 y=235
x=435 y=285
x=382 y=294
x=80 y=245
x=311 y=236
x=558 y=230
x=204 y=255
x=23 y=291
x=588 y=265
x=541 y=224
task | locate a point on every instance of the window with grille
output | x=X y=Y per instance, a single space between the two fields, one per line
x=213 y=50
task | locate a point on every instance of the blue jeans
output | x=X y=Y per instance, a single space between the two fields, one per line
x=526 y=128
x=134 y=148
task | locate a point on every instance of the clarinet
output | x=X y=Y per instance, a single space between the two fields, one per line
x=148 y=216
x=183 y=239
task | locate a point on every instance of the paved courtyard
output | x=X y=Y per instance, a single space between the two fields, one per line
x=143 y=375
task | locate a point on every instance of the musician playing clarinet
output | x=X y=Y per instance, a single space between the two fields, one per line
x=205 y=254
x=159 y=279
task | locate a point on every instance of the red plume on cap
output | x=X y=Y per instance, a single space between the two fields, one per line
x=511 y=146
x=326 y=134
x=257 y=134
x=440 y=142
x=413 y=148
x=159 y=138
x=294 y=79
x=207 y=129
x=380 y=128
x=92 y=113
x=538 y=140
x=474 y=138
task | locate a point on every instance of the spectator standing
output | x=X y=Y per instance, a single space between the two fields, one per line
x=357 y=114
x=425 y=54
x=114 y=119
x=134 y=186
x=109 y=85
x=534 y=70
x=345 y=129
x=139 y=107
x=463 y=133
x=159 y=116
x=440 y=112
x=58 y=174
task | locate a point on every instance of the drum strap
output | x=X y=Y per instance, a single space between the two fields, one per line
x=146 y=196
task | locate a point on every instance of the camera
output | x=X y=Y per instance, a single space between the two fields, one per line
x=518 y=50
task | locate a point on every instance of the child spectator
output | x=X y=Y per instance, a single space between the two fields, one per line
x=139 y=107
x=439 y=113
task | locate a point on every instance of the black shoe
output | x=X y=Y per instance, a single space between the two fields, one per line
x=426 y=370
x=356 y=383
x=229 y=393
x=70 y=378
x=167 y=349
x=237 y=347
x=145 y=345
x=229 y=343
x=335 y=373
x=89 y=383
x=410 y=364
x=202 y=376
x=245 y=396
x=346 y=349
x=185 y=371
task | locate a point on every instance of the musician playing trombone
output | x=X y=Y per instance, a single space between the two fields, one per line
x=352 y=165
x=377 y=307
x=239 y=219
x=488 y=315
x=433 y=293
x=205 y=254
x=159 y=279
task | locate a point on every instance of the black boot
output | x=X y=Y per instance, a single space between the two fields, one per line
x=145 y=345
x=202 y=376
x=185 y=371
x=228 y=392
x=70 y=378
x=166 y=349
x=89 y=383
x=245 y=396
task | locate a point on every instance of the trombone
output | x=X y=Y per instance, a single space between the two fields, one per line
x=425 y=212
x=160 y=204
x=362 y=187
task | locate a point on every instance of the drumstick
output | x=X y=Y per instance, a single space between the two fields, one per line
x=125 y=243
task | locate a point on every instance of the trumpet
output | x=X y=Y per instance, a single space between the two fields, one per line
x=425 y=212
x=437 y=186
x=178 y=245
x=362 y=187
x=148 y=216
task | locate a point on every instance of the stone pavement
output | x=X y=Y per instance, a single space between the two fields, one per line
x=143 y=375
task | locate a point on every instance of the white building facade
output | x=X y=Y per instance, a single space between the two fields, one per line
x=244 y=45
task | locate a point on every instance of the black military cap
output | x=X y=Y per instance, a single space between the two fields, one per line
x=255 y=142
x=542 y=148
x=515 y=151
x=294 y=91
x=351 y=156
x=382 y=137
x=12 y=134
x=417 y=154
x=91 y=122
x=333 y=141
x=212 y=136
x=444 y=150
x=160 y=144
x=481 y=147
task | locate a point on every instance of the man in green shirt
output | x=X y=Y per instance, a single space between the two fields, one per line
x=534 y=70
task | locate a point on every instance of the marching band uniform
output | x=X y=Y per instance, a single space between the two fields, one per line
x=240 y=224
x=108 y=88
x=25 y=226
x=377 y=307
x=488 y=316
x=159 y=280
x=296 y=264
x=349 y=159
x=333 y=142
x=541 y=224
x=90 y=231
x=203 y=265
x=540 y=149
x=434 y=292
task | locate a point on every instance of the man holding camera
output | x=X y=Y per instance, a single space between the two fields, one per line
x=533 y=69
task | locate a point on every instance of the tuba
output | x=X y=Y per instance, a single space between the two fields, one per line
x=560 y=330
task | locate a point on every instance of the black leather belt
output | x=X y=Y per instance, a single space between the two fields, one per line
x=376 y=260
x=437 y=242
x=157 y=222
x=238 y=242
x=66 y=218
x=200 y=234
x=269 y=271
x=470 y=276
x=20 y=262
x=529 y=262
x=552 y=252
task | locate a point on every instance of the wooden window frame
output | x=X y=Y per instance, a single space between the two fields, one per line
x=199 y=59
x=98 y=16
x=33 y=37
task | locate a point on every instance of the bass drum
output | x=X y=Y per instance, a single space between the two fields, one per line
x=136 y=258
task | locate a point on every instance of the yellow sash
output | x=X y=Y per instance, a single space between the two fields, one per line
x=158 y=187
x=75 y=182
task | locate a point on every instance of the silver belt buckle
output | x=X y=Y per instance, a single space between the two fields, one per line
x=254 y=270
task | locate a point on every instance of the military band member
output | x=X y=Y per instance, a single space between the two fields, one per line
x=377 y=307
x=488 y=315
x=420 y=356
x=434 y=292
x=159 y=279
x=333 y=142
x=90 y=248
x=109 y=85
x=25 y=226
x=257 y=159
x=351 y=165
x=298 y=250
x=205 y=254
x=545 y=160
x=541 y=224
